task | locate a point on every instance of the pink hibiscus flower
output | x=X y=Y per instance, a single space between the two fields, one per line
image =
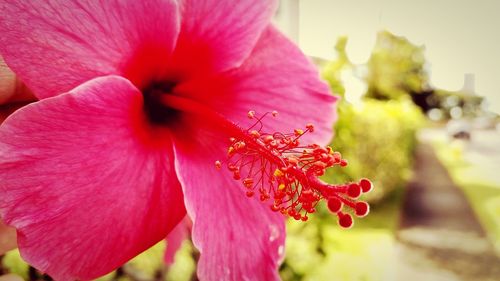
x=137 y=101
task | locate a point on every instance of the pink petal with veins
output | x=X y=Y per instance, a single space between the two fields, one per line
x=53 y=46
x=238 y=238
x=84 y=182
x=276 y=76
x=217 y=35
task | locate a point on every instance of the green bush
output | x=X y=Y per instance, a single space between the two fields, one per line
x=395 y=68
x=377 y=138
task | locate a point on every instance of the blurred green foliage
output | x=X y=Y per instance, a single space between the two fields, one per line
x=13 y=262
x=396 y=68
x=339 y=255
x=320 y=250
x=378 y=136
x=378 y=139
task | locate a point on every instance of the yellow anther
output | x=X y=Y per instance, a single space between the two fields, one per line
x=254 y=133
x=278 y=173
x=230 y=150
x=268 y=138
x=239 y=145
x=281 y=186
x=298 y=132
x=330 y=150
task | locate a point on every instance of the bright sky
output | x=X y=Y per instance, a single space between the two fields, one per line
x=460 y=36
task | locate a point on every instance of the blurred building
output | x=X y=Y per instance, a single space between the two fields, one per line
x=469 y=87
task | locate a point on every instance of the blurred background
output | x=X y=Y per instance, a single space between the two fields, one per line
x=419 y=117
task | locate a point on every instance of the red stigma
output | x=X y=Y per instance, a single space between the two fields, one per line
x=345 y=220
x=354 y=191
x=362 y=209
x=284 y=172
x=334 y=205
x=366 y=185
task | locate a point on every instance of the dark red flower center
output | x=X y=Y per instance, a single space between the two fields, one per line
x=157 y=112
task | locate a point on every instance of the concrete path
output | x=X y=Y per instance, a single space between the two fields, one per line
x=440 y=239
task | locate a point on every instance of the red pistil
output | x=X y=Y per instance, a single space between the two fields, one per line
x=280 y=169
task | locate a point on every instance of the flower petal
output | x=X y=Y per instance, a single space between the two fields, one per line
x=56 y=45
x=239 y=238
x=84 y=182
x=220 y=34
x=175 y=239
x=276 y=76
